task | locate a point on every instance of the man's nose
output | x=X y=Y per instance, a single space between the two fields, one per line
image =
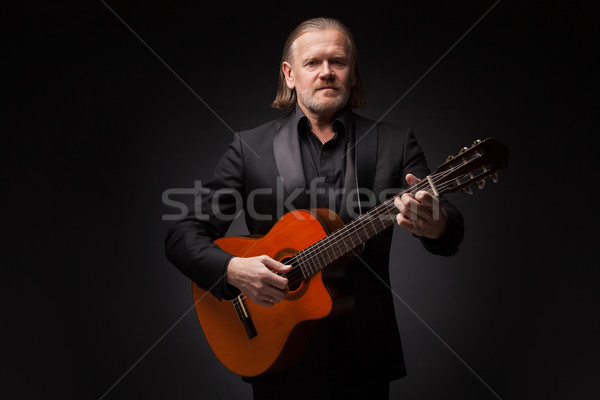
x=326 y=71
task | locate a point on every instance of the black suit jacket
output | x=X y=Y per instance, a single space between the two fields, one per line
x=261 y=172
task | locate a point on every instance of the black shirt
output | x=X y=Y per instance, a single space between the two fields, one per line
x=324 y=164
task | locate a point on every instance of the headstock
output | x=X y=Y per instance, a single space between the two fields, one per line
x=472 y=165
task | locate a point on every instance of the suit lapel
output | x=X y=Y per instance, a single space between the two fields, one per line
x=288 y=159
x=349 y=177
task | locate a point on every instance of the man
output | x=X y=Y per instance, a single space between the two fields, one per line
x=316 y=157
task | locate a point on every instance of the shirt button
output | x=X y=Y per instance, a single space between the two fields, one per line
x=326 y=179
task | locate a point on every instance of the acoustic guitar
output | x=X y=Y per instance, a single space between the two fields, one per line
x=252 y=340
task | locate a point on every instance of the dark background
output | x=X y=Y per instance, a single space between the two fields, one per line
x=98 y=127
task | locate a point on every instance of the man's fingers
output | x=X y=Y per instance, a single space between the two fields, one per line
x=279 y=282
x=425 y=198
x=275 y=295
x=270 y=295
x=411 y=179
x=276 y=265
x=407 y=205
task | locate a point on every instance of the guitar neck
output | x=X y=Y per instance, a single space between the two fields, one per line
x=343 y=241
x=470 y=166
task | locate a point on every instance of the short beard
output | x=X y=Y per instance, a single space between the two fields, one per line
x=329 y=106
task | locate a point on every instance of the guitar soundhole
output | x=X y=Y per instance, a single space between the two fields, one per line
x=296 y=284
x=295 y=280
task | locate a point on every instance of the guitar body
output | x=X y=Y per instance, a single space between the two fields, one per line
x=280 y=332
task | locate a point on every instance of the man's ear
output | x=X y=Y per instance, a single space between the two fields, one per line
x=286 y=68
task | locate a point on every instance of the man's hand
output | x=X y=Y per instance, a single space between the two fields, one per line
x=421 y=214
x=257 y=278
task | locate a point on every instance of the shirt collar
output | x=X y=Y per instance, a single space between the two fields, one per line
x=300 y=120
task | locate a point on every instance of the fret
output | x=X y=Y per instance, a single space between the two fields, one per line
x=339 y=248
x=305 y=274
x=383 y=226
x=372 y=225
x=356 y=234
x=335 y=250
x=352 y=240
x=313 y=266
x=308 y=270
x=321 y=259
x=327 y=255
x=365 y=230
x=316 y=265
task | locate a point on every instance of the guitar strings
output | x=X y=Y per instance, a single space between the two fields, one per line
x=355 y=226
x=309 y=255
x=313 y=251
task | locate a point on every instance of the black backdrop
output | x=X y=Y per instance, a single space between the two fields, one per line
x=112 y=104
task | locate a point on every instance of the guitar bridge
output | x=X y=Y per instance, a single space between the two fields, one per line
x=244 y=316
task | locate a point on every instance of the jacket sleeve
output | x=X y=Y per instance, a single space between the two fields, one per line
x=189 y=242
x=415 y=163
x=448 y=244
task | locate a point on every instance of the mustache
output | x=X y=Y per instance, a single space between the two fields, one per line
x=330 y=86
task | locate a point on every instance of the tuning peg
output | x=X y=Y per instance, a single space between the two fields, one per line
x=467 y=190
x=463 y=150
x=495 y=177
x=481 y=183
x=450 y=157
x=475 y=143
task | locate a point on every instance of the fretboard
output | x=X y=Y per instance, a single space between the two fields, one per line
x=341 y=242
x=471 y=166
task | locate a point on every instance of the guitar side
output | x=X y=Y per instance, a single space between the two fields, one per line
x=281 y=331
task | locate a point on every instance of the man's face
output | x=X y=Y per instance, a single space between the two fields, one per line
x=321 y=71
